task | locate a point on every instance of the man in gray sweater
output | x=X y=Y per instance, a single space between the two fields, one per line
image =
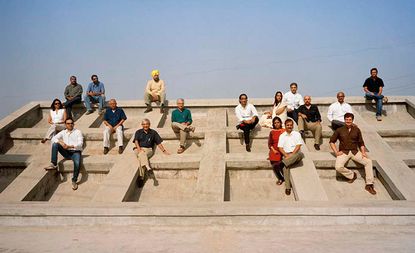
x=73 y=95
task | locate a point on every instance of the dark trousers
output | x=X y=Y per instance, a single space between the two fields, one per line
x=336 y=124
x=75 y=156
x=247 y=129
x=277 y=168
x=69 y=103
x=294 y=115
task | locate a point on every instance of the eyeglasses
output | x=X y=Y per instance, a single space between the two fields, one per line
x=57 y=103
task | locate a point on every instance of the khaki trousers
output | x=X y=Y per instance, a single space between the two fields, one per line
x=343 y=159
x=314 y=127
x=107 y=135
x=143 y=160
x=292 y=160
x=148 y=98
x=182 y=130
x=53 y=129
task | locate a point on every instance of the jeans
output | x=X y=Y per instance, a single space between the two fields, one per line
x=294 y=115
x=74 y=155
x=94 y=99
x=379 y=101
x=69 y=103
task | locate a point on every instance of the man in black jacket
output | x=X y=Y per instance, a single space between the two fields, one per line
x=309 y=118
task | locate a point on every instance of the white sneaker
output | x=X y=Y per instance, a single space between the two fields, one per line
x=379 y=118
x=51 y=167
x=74 y=186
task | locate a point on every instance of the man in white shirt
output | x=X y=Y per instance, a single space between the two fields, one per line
x=248 y=118
x=293 y=100
x=337 y=111
x=289 y=145
x=69 y=144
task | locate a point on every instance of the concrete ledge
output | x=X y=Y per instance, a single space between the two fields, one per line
x=278 y=213
x=10 y=160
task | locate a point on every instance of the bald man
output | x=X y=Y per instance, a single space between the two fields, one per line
x=337 y=110
x=145 y=139
x=309 y=118
x=181 y=120
x=113 y=120
x=155 y=92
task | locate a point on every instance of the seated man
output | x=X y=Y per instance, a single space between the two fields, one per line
x=95 y=94
x=310 y=119
x=113 y=120
x=248 y=118
x=145 y=139
x=373 y=88
x=337 y=111
x=181 y=120
x=73 y=95
x=155 y=91
x=69 y=144
x=351 y=147
x=289 y=146
x=293 y=100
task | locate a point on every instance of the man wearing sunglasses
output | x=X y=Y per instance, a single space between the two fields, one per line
x=69 y=144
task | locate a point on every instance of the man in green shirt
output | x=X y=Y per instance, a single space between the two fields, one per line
x=181 y=120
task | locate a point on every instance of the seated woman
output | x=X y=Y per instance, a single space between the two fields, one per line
x=274 y=153
x=279 y=110
x=56 y=119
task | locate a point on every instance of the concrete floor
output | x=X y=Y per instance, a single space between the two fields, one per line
x=181 y=239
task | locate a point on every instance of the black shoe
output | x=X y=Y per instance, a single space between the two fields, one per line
x=238 y=127
x=149 y=109
x=120 y=149
x=106 y=150
x=317 y=146
x=287 y=192
x=248 y=148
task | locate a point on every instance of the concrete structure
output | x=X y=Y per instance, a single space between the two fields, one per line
x=215 y=183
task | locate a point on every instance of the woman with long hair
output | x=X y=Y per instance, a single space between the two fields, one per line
x=56 y=119
x=279 y=109
x=274 y=153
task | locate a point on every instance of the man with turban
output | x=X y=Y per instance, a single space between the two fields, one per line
x=155 y=92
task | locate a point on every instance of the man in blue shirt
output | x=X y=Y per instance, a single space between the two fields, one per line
x=95 y=94
x=181 y=120
x=113 y=119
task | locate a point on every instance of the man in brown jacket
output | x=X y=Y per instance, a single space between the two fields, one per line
x=352 y=147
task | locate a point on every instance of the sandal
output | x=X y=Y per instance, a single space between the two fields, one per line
x=287 y=191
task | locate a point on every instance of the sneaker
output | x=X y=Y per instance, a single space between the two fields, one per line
x=120 y=149
x=149 y=109
x=370 y=189
x=248 y=148
x=74 y=186
x=385 y=100
x=379 y=118
x=51 y=167
x=106 y=150
x=89 y=112
x=317 y=146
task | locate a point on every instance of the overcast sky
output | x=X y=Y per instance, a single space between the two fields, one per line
x=204 y=49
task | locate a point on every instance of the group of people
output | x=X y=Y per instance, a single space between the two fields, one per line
x=69 y=141
x=289 y=111
x=285 y=143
